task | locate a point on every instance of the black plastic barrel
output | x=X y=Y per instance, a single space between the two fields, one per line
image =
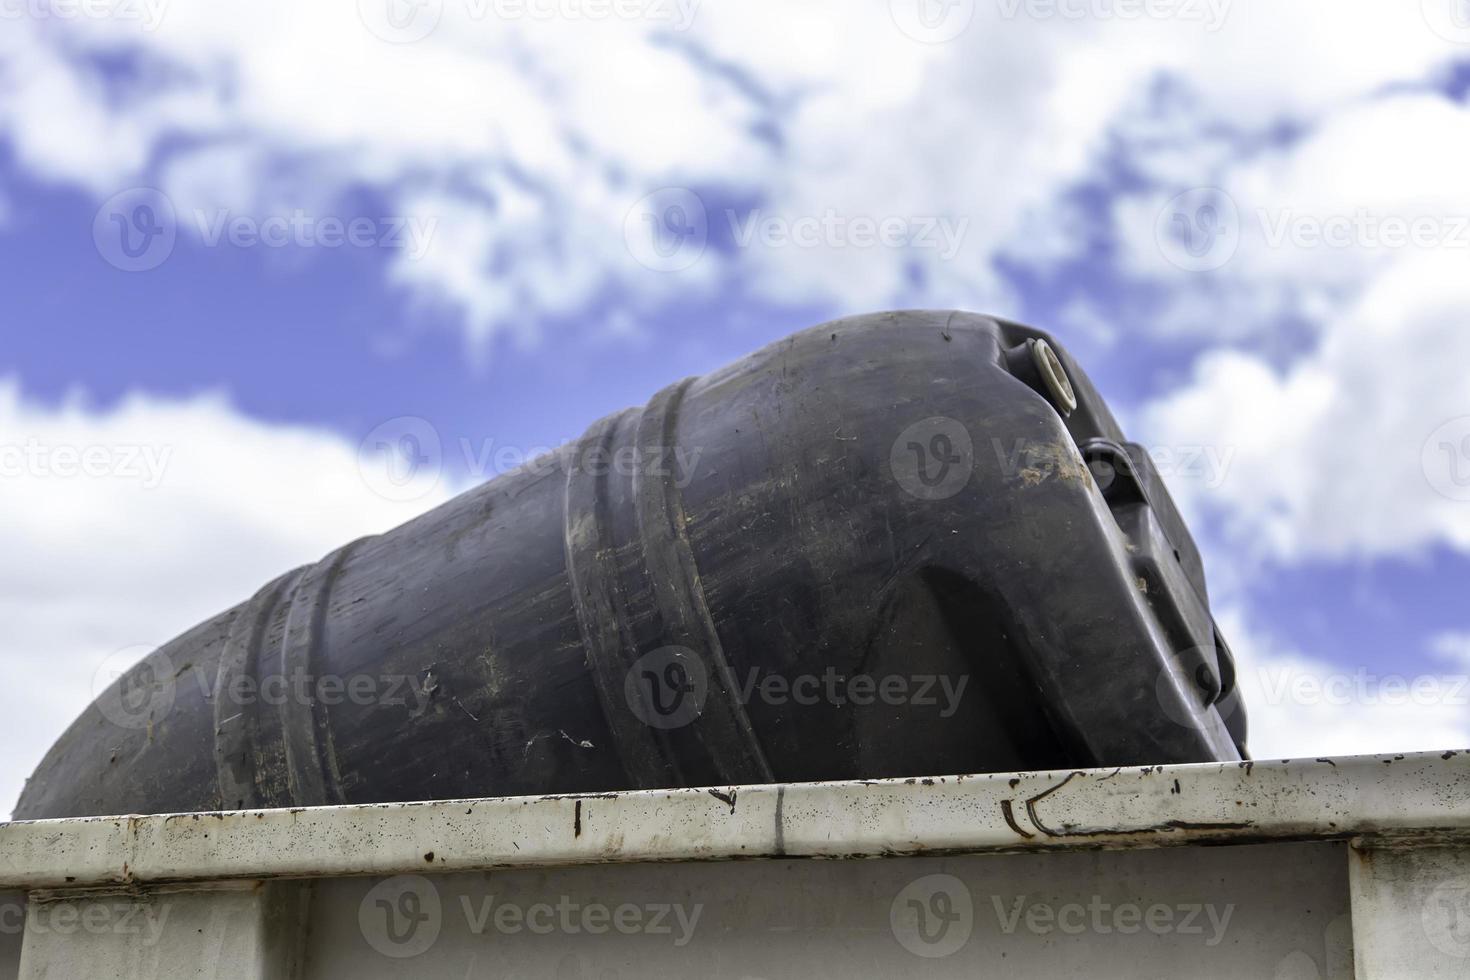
x=904 y=544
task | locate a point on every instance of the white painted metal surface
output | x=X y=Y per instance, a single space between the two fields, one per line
x=1319 y=869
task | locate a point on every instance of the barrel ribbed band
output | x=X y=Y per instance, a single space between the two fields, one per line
x=718 y=742
x=235 y=724
x=272 y=739
x=601 y=608
x=722 y=728
x=310 y=760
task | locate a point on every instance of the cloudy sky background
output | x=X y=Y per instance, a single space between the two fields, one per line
x=1249 y=218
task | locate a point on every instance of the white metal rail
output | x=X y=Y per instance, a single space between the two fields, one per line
x=1324 y=868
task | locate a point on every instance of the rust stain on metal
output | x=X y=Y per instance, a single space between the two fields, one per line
x=1164 y=827
x=781 y=820
x=1031 y=803
x=1009 y=813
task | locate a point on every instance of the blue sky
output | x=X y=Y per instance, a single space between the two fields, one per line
x=1058 y=152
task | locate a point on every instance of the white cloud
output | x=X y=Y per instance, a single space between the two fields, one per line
x=1083 y=320
x=1348 y=445
x=530 y=138
x=1352 y=451
x=1300 y=706
x=127 y=526
x=1299 y=229
x=1452 y=647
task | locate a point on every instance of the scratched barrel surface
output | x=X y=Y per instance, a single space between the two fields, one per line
x=900 y=544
